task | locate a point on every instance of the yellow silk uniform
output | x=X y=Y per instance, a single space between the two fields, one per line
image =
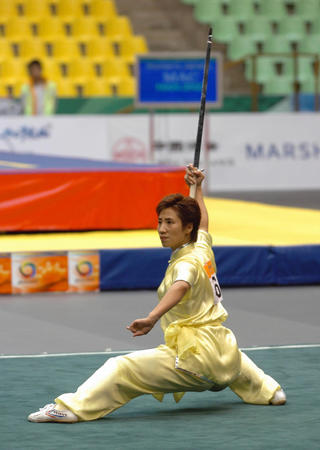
x=199 y=352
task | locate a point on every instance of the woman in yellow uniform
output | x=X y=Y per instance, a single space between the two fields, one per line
x=199 y=352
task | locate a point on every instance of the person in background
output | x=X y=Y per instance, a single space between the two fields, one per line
x=38 y=96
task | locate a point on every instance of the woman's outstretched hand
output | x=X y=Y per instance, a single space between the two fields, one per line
x=193 y=176
x=140 y=327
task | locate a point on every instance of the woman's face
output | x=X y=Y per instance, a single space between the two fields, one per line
x=171 y=231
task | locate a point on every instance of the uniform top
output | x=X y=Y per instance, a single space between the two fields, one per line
x=200 y=306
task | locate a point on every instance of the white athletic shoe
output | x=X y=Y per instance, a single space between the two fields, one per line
x=49 y=413
x=279 y=398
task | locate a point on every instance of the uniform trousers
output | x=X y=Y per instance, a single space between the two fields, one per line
x=154 y=371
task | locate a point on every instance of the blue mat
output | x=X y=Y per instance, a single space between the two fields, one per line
x=44 y=162
x=237 y=266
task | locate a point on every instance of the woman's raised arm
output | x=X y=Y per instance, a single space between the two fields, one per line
x=196 y=176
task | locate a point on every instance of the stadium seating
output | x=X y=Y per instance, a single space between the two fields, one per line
x=7 y=9
x=102 y=8
x=310 y=44
x=208 y=11
x=32 y=49
x=242 y=10
x=66 y=88
x=69 y=9
x=275 y=10
x=18 y=28
x=65 y=49
x=5 y=50
x=98 y=49
x=225 y=29
x=269 y=26
x=307 y=9
x=132 y=46
x=259 y=29
x=265 y=69
x=98 y=87
x=240 y=47
x=275 y=45
x=84 y=45
x=278 y=86
x=126 y=87
x=292 y=28
x=50 y=28
x=34 y=9
x=84 y=28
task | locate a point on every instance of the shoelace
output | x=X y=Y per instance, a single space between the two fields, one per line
x=49 y=405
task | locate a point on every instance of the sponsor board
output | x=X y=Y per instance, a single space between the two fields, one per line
x=39 y=272
x=5 y=273
x=84 y=271
x=67 y=136
x=244 y=151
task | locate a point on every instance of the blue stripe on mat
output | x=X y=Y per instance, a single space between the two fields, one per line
x=237 y=266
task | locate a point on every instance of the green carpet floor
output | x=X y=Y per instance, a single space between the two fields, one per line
x=200 y=421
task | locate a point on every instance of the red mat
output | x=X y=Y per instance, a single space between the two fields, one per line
x=85 y=200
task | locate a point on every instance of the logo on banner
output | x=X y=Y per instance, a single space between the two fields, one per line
x=284 y=150
x=39 y=272
x=84 y=271
x=28 y=269
x=129 y=149
x=84 y=268
x=13 y=136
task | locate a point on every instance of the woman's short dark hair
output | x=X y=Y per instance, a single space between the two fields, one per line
x=187 y=209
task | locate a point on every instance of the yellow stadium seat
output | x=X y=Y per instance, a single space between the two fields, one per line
x=69 y=9
x=5 y=49
x=127 y=87
x=66 y=88
x=114 y=68
x=97 y=87
x=18 y=28
x=32 y=49
x=10 y=88
x=50 y=28
x=102 y=8
x=99 y=49
x=51 y=69
x=81 y=70
x=118 y=28
x=14 y=69
x=35 y=8
x=65 y=49
x=129 y=47
x=7 y=9
x=84 y=28
x=3 y=90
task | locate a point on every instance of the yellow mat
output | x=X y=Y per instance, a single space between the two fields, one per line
x=232 y=222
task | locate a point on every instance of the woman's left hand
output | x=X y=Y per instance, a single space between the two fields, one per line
x=141 y=326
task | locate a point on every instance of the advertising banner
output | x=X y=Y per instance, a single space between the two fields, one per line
x=128 y=138
x=84 y=271
x=245 y=151
x=5 y=273
x=69 y=136
x=39 y=272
